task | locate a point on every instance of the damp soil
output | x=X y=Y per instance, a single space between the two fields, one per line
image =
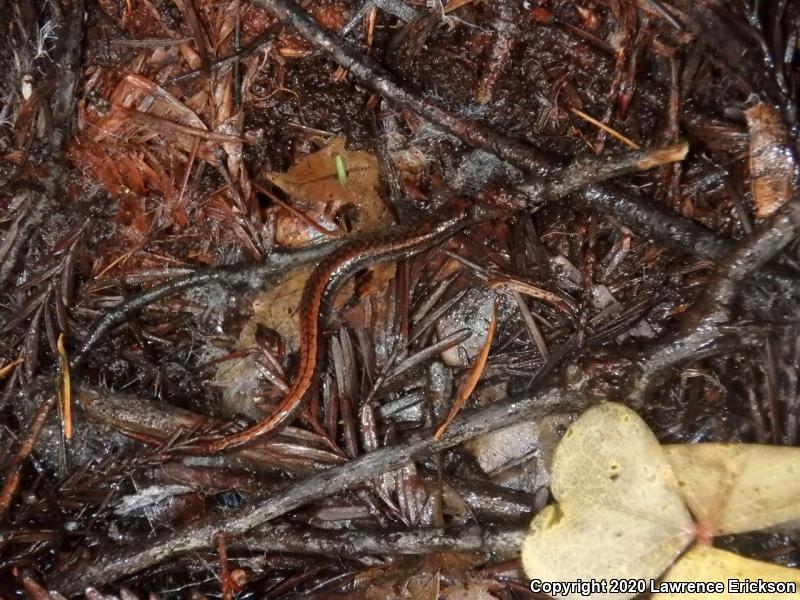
x=96 y=207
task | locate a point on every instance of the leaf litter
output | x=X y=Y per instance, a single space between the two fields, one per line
x=173 y=137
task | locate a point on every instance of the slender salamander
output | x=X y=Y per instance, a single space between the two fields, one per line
x=315 y=304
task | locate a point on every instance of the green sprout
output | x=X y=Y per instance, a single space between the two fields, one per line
x=341 y=172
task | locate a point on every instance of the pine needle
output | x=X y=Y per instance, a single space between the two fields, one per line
x=6 y=369
x=66 y=387
x=472 y=380
x=454 y=5
x=607 y=129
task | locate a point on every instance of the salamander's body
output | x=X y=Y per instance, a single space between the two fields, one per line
x=326 y=280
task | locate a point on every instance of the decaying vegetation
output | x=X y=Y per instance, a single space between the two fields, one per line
x=173 y=170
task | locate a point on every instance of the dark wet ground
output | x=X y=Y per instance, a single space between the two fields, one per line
x=128 y=215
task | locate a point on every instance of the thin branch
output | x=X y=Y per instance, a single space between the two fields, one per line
x=246 y=275
x=115 y=564
x=377 y=78
x=262 y=39
x=14 y=471
x=140 y=417
x=585 y=171
x=149 y=42
x=159 y=124
x=646 y=219
x=702 y=328
x=360 y=542
x=656 y=222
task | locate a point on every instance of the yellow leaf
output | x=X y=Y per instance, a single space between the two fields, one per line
x=706 y=564
x=620 y=513
x=622 y=510
x=733 y=488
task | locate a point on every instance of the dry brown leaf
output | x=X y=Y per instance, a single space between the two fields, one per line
x=275 y=309
x=771 y=160
x=315 y=190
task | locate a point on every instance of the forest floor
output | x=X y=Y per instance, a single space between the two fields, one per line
x=173 y=175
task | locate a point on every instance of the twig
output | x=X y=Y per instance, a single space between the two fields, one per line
x=653 y=221
x=14 y=470
x=225 y=572
x=356 y=543
x=148 y=42
x=656 y=222
x=62 y=111
x=609 y=130
x=357 y=17
x=136 y=417
x=377 y=78
x=247 y=275
x=702 y=328
x=646 y=219
x=155 y=123
x=65 y=391
x=119 y=563
x=502 y=42
x=8 y=368
x=585 y=171
x=263 y=38
x=36 y=591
